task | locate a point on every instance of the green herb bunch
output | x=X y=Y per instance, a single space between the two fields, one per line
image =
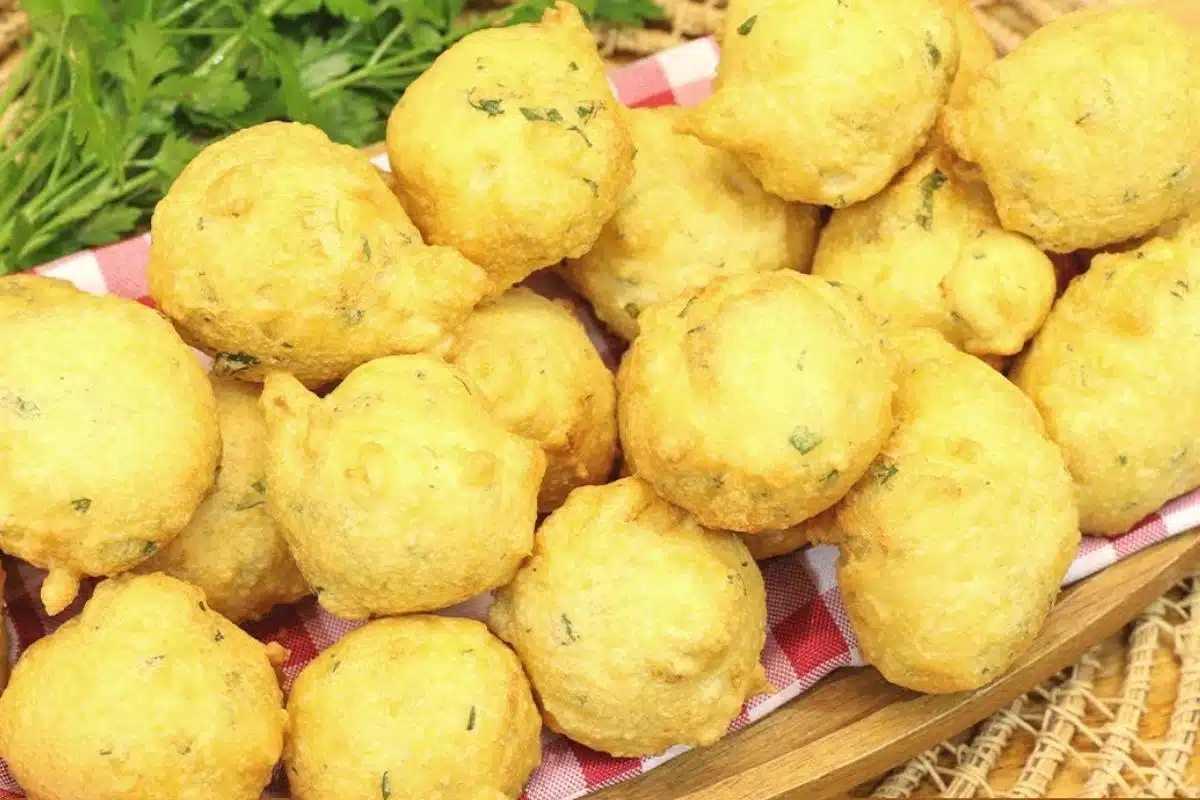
x=114 y=97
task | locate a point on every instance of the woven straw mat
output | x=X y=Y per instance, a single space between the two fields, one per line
x=1122 y=722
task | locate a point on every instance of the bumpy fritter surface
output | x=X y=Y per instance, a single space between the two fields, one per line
x=975 y=49
x=1080 y=158
x=821 y=529
x=756 y=402
x=278 y=249
x=415 y=708
x=108 y=429
x=398 y=491
x=638 y=628
x=692 y=213
x=929 y=252
x=826 y=101
x=543 y=379
x=231 y=548
x=1113 y=372
x=955 y=542
x=540 y=152
x=147 y=693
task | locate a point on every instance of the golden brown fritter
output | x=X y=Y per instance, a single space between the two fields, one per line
x=756 y=402
x=147 y=693
x=975 y=48
x=692 y=213
x=231 y=548
x=638 y=628
x=821 y=529
x=511 y=148
x=826 y=101
x=1089 y=132
x=929 y=252
x=413 y=708
x=543 y=379
x=955 y=542
x=398 y=492
x=1114 y=374
x=108 y=431
x=278 y=249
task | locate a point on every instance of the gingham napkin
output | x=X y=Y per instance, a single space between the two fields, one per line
x=808 y=633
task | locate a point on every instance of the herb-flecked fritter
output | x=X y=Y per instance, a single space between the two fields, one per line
x=108 y=431
x=1119 y=350
x=955 y=542
x=276 y=249
x=929 y=252
x=511 y=148
x=826 y=101
x=542 y=378
x=756 y=402
x=397 y=491
x=692 y=213
x=638 y=628
x=414 y=708
x=1088 y=133
x=231 y=548
x=147 y=693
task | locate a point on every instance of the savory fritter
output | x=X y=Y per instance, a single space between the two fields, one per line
x=756 y=402
x=1113 y=373
x=511 y=148
x=398 y=492
x=148 y=693
x=638 y=628
x=826 y=101
x=108 y=431
x=821 y=529
x=231 y=548
x=692 y=213
x=1089 y=132
x=276 y=249
x=975 y=48
x=415 y=708
x=543 y=379
x=929 y=252
x=955 y=542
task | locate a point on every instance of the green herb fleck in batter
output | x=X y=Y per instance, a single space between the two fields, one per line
x=747 y=26
x=805 y=440
x=929 y=185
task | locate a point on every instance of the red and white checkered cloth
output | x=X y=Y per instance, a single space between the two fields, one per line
x=808 y=636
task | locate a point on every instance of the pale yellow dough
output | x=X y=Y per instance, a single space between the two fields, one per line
x=414 y=708
x=638 y=628
x=955 y=542
x=231 y=548
x=398 y=492
x=108 y=432
x=543 y=379
x=1114 y=373
x=511 y=148
x=756 y=402
x=276 y=249
x=148 y=693
x=692 y=213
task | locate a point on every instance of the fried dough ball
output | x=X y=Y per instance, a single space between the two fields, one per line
x=108 y=429
x=231 y=548
x=398 y=492
x=693 y=212
x=543 y=379
x=147 y=693
x=955 y=542
x=825 y=101
x=821 y=529
x=539 y=155
x=1113 y=373
x=1089 y=132
x=975 y=48
x=756 y=402
x=638 y=628
x=413 y=708
x=929 y=252
x=277 y=249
